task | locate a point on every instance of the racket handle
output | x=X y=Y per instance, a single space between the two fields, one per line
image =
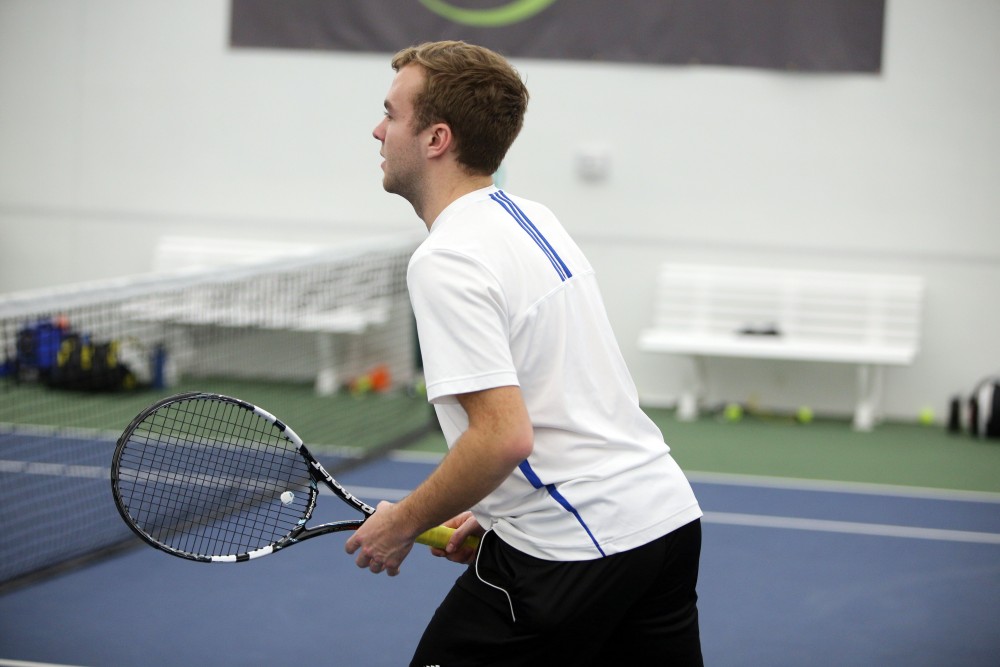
x=439 y=536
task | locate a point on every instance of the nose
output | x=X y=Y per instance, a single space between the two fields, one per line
x=379 y=132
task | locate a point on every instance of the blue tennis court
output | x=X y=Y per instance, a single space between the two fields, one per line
x=793 y=573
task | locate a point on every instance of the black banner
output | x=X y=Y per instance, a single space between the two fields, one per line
x=805 y=35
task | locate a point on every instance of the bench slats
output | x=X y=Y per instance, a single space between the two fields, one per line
x=803 y=309
x=724 y=311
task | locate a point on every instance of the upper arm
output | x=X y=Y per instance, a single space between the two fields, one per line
x=499 y=418
x=462 y=324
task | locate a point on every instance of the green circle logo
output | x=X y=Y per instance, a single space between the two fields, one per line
x=496 y=17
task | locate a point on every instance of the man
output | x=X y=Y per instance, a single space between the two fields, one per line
x=590 y=533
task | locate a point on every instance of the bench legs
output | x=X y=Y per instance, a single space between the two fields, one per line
x=693 y=392
x=868 y=409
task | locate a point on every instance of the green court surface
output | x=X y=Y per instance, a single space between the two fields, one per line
x=356 y=422
x=898 y=454
x=904 y=454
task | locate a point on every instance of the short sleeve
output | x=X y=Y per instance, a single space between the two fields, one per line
x=462 y=324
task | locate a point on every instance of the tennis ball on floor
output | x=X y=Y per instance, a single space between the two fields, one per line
x=804 y=414
x=733 y=412
x=361 y=385
x=926 y=416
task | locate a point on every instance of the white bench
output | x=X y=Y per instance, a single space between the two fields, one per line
x=870 y=320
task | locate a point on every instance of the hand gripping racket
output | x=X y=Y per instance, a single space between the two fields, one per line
x=212 y=478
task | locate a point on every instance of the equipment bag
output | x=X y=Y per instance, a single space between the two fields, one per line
x=86 y=366
x=984 y=409
x=982 y=414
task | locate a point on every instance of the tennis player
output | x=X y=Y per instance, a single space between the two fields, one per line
x=590 y=532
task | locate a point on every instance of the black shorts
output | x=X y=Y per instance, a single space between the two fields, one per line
x=636 y=607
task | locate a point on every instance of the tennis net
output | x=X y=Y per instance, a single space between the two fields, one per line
x=324 y=341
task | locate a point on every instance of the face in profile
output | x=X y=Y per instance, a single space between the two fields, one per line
x=403 y=161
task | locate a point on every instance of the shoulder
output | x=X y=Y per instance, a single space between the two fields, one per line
x=442 y=267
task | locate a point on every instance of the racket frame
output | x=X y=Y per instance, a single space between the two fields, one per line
x=435 y=537
x=300 y=532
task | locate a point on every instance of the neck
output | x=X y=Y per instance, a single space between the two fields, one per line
x=442 y=195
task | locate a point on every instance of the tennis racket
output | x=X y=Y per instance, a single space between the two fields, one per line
x=212 y=478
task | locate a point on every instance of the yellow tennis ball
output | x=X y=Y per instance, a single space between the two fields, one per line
x=733 y=412
x=361 y=385
x=926 y=416
x=804 y=414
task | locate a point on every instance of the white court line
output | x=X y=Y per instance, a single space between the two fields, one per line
x=54 y=470
x=731 y=479
x=371 y=492
x=755 y=520
x=766 y=521
x=801 y=484
x=25 y=663
x=850 y=527
x=794 y=483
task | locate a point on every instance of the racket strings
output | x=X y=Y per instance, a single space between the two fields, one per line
x=206 y=477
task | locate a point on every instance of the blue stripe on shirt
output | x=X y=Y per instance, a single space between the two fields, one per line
x=519 y=216
x=532 y=477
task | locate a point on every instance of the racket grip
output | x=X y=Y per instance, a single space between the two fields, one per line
x=439 y=536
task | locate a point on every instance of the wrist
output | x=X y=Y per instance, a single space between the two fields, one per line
x=406 y=521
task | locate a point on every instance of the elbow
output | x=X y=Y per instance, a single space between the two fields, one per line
x=524 y=444
x=520 y=444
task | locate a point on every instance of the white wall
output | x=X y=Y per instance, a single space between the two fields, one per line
x=122 y=120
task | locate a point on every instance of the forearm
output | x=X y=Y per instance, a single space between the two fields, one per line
x=499 y=437
x=463 y=478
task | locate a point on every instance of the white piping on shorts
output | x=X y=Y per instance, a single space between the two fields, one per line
x=510 y=602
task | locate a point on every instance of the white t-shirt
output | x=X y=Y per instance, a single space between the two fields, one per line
x=503 y=296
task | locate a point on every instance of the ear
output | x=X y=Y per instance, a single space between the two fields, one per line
x=439 y=140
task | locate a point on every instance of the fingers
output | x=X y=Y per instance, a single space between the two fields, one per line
x=469 y=528
x=366 y=561
x=376 y=544
x=457 y=521
x=377 y=567
x=456 y=550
